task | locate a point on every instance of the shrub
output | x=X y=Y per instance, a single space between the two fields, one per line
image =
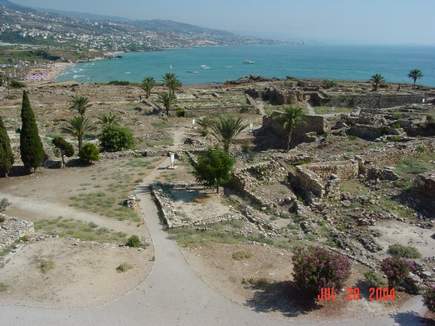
x=316 y=268
x=4 y=203
x=133 y=242
x=329 y=84
x=17 y=84
x=398 y=250
x=429 y=298
x=124 y=267
x=396 y=269
x=241 y=255
x=3 y=287
x=89 y=153
x=119 y=82
x=45 y=265
x=115 y=138
x=180 y=112
x=374 y=280
x=65 y=148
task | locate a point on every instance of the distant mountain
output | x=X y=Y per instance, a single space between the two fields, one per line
x=19 y=24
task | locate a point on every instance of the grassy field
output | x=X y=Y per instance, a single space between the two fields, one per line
x=69 y=228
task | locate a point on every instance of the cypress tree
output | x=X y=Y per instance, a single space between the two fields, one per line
x=6 y=154
x=32 y=152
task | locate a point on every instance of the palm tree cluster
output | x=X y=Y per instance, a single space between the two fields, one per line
x=80 y=125
x=289 y=120
x=225 y=129
x=377 y=79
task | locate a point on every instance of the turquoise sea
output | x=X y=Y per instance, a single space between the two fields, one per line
x=218 y=64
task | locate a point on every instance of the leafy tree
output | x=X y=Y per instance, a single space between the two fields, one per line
x=377 y=80
x=214 y=168
x=80 y=104
x=415 y=74
x=115 y=138
x=32 y=151
x=108 y=119
x=396 y=270
x=79 y=127
x=172 y=83
x=167 y=100
x=225 y=129
x=290 y=119
x=148 y=85
x=89 y=153
x=315 y=268
x=6 y=153
x=65 y=148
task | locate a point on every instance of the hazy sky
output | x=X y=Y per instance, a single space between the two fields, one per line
x=343 y=21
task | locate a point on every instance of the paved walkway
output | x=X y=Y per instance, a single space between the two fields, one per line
x=171 y=295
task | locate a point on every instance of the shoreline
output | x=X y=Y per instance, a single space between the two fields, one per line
x=48 y=73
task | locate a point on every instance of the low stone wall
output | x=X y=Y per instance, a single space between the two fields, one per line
x=345 y=170
x=374 y=100
x=201 y=111
x=13 y=229
x=309 y=182
x=173 y=220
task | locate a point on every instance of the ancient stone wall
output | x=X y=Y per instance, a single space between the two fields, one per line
x=201 y=111
x=373 y=100
x=345 y=170
x=272 y=134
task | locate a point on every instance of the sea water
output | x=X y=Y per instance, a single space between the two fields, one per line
x=219 y=64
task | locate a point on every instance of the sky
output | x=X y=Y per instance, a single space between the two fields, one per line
x=328 y=21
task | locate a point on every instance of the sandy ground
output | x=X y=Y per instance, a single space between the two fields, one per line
x=84 y=273
x=393 y=232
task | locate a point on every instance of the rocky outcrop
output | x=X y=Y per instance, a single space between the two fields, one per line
x=13 y=229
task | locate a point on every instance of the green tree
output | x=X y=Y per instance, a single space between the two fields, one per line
x=89 y=153
x=108 y=119
x=80 y=104
x=225 y=129
x=168 y=100
x=214 y=168
x=148 y=85
x=377 y=80
x=171 y=82
x=116 y=138
x=65 y=148
x=289 y=120
x=415 y=74
x=6 y=153
x=79 y=127
x=32 y=151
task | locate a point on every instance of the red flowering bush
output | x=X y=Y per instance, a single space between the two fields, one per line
x=429 y=298
x=316 y=268
x=396 y=270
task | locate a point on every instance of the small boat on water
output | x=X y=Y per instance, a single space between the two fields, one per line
x=249 y=62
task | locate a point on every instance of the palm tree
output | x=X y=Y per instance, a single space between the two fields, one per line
x=225 y=129
x=171 y=82
x=80 y=104
x=205 y=123
x=415 y=74
x=108 y=119
x=377 y=80
x=78 y=127
x=290 y=119
x=148 y=84
x=167 y=100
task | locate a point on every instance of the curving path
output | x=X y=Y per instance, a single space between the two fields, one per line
x=171 y=295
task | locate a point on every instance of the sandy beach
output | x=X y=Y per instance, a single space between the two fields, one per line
x=49 y=73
